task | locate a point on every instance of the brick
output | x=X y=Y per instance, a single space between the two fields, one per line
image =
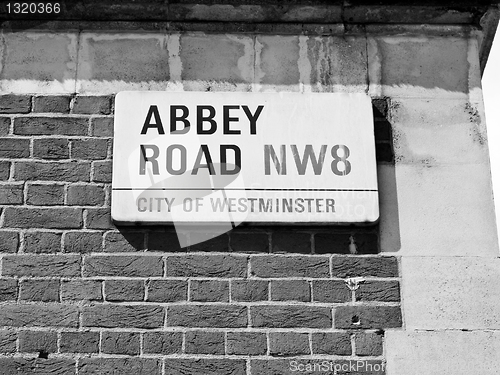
x=42 y=315
x=331 y=343
x=92 y=105
x=8 y=289
x=364 y=266
x=42 y=242
x=167 y=290
x=81 y=290
x=127 y=343
x=53 y=366
x=51 y=148
x=288 y=343
x=177 y=366
x=209 y=291
x=51 y=104
x=99 y=218
x=291 y=316
x=291 y=242
x=331 y=291
x=207 y=60
x=368 y=344
x=290 y=290
x=52 y=171
x=249 y=242
x=7 y=341
x=11 y=194
x=122 y=366
x=124 y=266
x=45 y=194
x=102 y=171
x=199 y=241
x=37 y=341
x=123 y=241
x=246 y=343
x=121 y=316
x=52 y=218
x=385 y=291
x=202 y=342
x=41 y=265
x=124 y=290
x=86 y=195
x=15 y=103
x=4 y=170
x=367 y=317
x=206 y=266
x=296 y=266
x=102 y=126
x=89 y=149
x=164 y=241
x=82 y=242
x=249 y=290
x=217 y=316
x=9 y=241
x=325 y=243
x=79 y=342
x=39 y=290
x=162 y=342
x=14 y=148
x=51 y=126
x=4 y=126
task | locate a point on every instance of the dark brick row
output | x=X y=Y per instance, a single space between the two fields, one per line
x=200 y=316
x=88 y=105
x=196 y=342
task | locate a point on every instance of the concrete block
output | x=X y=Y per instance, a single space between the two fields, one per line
x=444 y=131
x=419 y=66
x=217 y=62
x=444 y=352
x=109 y=63
x=277 y=63
x=451 y=293
x=444 y=210
x=38 y=62
x=338 y=64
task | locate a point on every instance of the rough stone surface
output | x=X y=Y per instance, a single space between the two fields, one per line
x=124 y=290
x=56 y=218
x=37 y=341
x=39 y=290
x=51 y=126
x=56 y=171
x=290 y=290
x=126 y=343
x=42 y=242
x=454 y=352
x=41 y=265
x=53 y=366
x=124 y=366
x=7 y=341
x=451 y=293
x=249 y=290
x=80 y=342
x=337 y=343
x=331 y=291
x=371 y=317
x=81 y=290
x=209 y=291
x=365 y=266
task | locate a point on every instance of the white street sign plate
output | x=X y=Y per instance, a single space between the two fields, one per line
x=191 y=157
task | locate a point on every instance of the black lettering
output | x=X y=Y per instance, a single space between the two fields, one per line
x=197 y=165
x=200 y=119
x=253 y=118
x=174 y=118
x=153 y=111
x=151 y=159
x=227 y=119
x=223 y=159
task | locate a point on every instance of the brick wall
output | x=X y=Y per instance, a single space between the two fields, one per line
x=79 y=295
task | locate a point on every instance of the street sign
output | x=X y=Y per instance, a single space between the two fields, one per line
x=191 y=157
